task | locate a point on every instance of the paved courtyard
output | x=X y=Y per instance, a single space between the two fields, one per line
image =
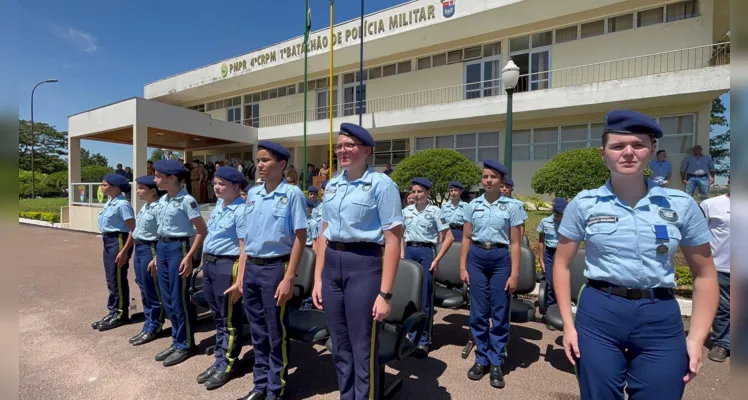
x=62 y=291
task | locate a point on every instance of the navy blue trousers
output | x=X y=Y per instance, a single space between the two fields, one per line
x=175 y=293
x=218 y=276
x=150 y=294
x=489 y=271
x=350 y=286
x=457 y=233
x=639 y=344
x=548 y=255
x=425 y=256
x=118 y=302
x=267 y=325
x=721 y=324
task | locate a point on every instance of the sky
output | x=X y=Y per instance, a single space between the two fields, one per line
x=104 y=51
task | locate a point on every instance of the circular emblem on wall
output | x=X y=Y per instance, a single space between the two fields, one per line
x=224 y=70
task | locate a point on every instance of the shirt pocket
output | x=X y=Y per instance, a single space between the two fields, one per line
x=279 y=217
x=364 y=206
x=601 y=236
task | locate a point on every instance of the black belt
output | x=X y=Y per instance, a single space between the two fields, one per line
x=632 y=294
x=146 y=242
x=174 y=239
x=269 y=261
x=420 y=244
x=455 y=226
x=353 y=246
x=114 y=234
x=488 y=246
x=214 y=258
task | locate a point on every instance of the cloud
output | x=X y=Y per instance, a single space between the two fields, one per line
x=81 y=40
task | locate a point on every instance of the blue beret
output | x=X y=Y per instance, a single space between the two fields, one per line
x=627 y=121
x=147 y=180
x=425 y=183
x=324 y=184
x=358 y=132
x=119 y=181
x=230 y=174
x=168 y=167
x=508 y=181
x=455 y=184
x=310 y=203
x=559 y=205
x=312 y=189
x=275 y=148
x=496 y=166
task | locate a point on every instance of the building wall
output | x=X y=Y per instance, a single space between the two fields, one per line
x=415 y=87
x=84 y=218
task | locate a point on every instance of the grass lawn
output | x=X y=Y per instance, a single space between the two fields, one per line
x=42 y=205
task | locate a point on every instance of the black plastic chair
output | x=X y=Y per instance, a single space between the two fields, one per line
x=450 y=291
x=523 y=310
x=305 y=325
x=553 y=313
x=525 y=241
x=406 y=317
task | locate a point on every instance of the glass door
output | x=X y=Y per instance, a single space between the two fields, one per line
x=483 y=78
x=350 y=104
x=540 y=64
x=252 y=115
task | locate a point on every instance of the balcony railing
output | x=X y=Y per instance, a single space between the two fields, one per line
x=633 y=67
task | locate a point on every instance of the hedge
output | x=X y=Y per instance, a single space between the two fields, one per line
x=41 y=216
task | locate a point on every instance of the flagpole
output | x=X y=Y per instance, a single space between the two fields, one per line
x=361 y=69
x=307 y=26
x=332 y=34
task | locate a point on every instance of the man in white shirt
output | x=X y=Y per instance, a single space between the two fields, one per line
x=717 y=212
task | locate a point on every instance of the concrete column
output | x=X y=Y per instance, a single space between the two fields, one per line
x=139 y=158
x=188 y=156
x=74 y=166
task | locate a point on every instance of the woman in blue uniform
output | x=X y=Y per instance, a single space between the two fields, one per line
x=628 y=330
x=507 y=187
x=116 y=222
x=179 y=214
x=425 y=224
x=146 y=237
x=221 y=251
x=274 y=239
x=547 y=242
x=489 y=263
x=356 y=265
x=454 y=210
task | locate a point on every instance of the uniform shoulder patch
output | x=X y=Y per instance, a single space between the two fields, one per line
x=668 y=214
x=444 y=221
x=193 y=203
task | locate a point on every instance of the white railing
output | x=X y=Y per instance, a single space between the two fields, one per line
x=632 y=67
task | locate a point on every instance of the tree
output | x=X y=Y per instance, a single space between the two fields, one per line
x=93 y=173
x=438 y=166
x=719 y=145
x=571 y=172
x=50 y=146
x=88 y=159
x=159 y=154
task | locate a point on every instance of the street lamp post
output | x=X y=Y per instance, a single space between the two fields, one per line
x=509 y=77
x=33 y=138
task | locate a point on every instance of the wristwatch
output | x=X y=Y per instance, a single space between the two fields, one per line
x=386 y=296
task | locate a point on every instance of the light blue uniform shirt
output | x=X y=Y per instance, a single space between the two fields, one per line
x=317 y=212
x=312 y=231
x=224 y=223
x=360 y=210
x=491 y=222
x=693 y=165
x=424 y=226
x=272 y=219
x=660 y=170
x=620 y=241
x=520 y=207
x=116 y=211
x=177 y=214
x=146 y=225
x=455 y=215
x=548 y=227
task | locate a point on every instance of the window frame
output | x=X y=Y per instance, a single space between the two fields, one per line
x=391 y=152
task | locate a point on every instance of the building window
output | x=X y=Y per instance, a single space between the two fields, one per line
x=438 y=60
x=482 y=77
x=574 y=137
x=389 y=70
x=566 y=34
x=391 y=151
x=521 y=147
x=352 y=88
x=649 y=17
x=454 y=56
x=375 y=73
x=682 y=10
x=471 y=53
x=475 y=146
x=404 y=66
x=594 y=28
x=542 y=39
x=678 y=133
x=252 y=114
x=323 y=103
x=199 y=107
x=533 y=64
x=423 y=63
x=621 y=23
x=234 y=114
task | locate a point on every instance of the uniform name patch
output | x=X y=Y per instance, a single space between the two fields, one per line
x=602 y=219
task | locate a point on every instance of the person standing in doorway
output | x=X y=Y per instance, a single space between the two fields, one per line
x=292 y=177
x=661 y=169
x=697 y=172
x=717 y=212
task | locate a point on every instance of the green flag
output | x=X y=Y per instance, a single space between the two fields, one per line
x=308 y=27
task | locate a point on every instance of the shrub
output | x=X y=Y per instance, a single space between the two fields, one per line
x=571 y=172
x=438 y=166
x=57 y=180
x=41 y=216
x=683 y=276
x=93 y=173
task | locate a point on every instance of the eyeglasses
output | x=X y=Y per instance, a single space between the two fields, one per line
x=346 y=146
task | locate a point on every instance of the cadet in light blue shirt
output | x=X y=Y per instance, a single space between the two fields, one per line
x=507 y=187
x=661 y=169
x=221 y=252
x=697 y=172
x=489 y=263
x=361 y=214
x=454 y=210
x=179 y=214
x=146 y=237
x=274 y=239
x=424 y=224
x=628 y=327
x=547 y=243
x=116 y=222
x=312 y=231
